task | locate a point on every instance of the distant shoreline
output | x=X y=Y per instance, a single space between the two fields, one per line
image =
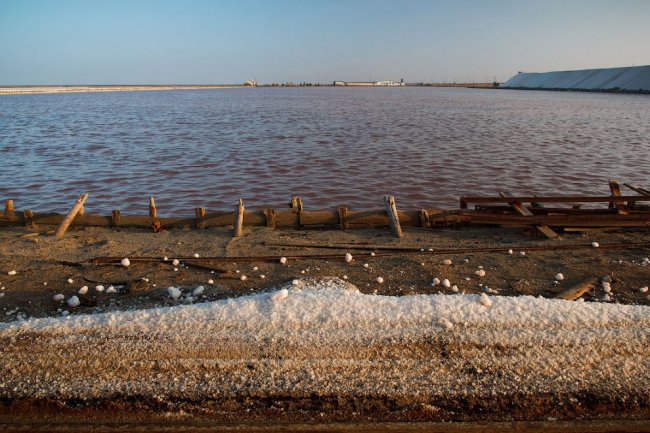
x=33 y=89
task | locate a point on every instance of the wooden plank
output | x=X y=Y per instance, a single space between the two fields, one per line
x=60 y=231
x=296 y=204
x=424 y=218
x=115 y=218
x=612 y=220
x=638 y=189
x=9 y=207
x=524 y=211
x=393 y=217
x=555 y=199
x=153 y=212
x=29 y=218
x=615 y=188
x=239 y=219
x=269 y=213
x=578 y=290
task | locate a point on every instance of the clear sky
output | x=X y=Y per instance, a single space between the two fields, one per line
x=210 y=41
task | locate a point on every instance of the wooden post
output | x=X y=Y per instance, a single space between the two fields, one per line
x=239 y=219
x=615 y=188
x=9 y=207
x=115 y=218
x=344 y=224
x=270 y=217
x=463 y=203
x=578 y=290
x=200 y=217
x=424 y=218
x=296 y=204
x=29 y=218
x=393 y=217
x=70 y=217
x=81 y=210
x=153 y=213
x=524 y=211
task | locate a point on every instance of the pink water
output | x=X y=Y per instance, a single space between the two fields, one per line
x=330 y=146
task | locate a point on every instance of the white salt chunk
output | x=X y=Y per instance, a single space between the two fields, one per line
x=365 y=265
x=454 y=289
x=283 y=260
x=262 y=276
x=559 y=276
x=210 y=281
x=174 y=292
x=510 y=252
x=243 y=278
x=73 y=301
x=446 y=262
x=595 y=244
x=607 y=288
x=380 y=280
x=435 y=281
x=348 y=257
x=58 y=297
x=485 y=300
x=480 y=273
x=126 y=262
x=165 y=258
x=175 y=269
x=372 y=254
x=280 y=295
x=99 y=288
x=196 y=255
x=111 y=289
x=198 y=291
x=11 y=273
x=83 y=290
x=643 y=289
x=70 y=280
x=345 y=277
x=255 y=268
x=295 y=282
x=175 y=262
x=446 y=283
x=523 y=253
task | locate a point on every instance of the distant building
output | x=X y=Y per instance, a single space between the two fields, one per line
x=250 y=83
x=369 y=83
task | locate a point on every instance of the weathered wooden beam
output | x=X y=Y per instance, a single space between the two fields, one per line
x=615 y=188
x=638 y=189
x=424 y=218
x=68 y=219
x=296 y=204
x=554 y=199
x=578 y=290
x=153 y=212
x=393 y=217
x=269 y=213
x=524 y=211
x=200 y=217
x=239 y=219
x=9 y=207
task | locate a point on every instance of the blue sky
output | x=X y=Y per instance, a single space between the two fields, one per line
x=199 y=41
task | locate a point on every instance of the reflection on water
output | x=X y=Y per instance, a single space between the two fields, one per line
x=331 y=146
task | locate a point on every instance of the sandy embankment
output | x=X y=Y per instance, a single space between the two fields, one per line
x=19 y=90
x=324 y=352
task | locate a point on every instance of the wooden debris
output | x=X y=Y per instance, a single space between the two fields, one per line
x=270 y=217
x=296 y=204
x=638 y=189
x=200 y=217
x=343 y=218
x=616 y=192
x=239 y=219
x=424 y=218
x=393 y=218
x=68 y=219
x=524 y=211
x=9 y=207
x=578 y=290
x=153 y=212
x=552 y=199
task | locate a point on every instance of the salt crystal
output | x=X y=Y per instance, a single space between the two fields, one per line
x=175 y=269
x=345 y=277
x=302 y=272
x=11 y=273
x=510 y=252
x=607 y=297
x=99 y=288
x=175 y=262
x=607 y=289
x=236 y=271
x=365 y=265
x=372 y=254
x=165 y=258
x=126 y=262
x=559 y=277
x=196 y=255
x=210 y=281
x=45 y=283
x=485 y=300
x=523 y=253
x=380 y=280
x=436 y=281
x=262 y=276
x=595 y=244
x=243 y=278
x=643 y=289
x=283 y=260
x=83 y=290
x=255 y=268
x=280 y=295
x=348 y=257
x=73 y=301
x=454 y=289
x=480 y=273
x=446 y=262
x=111 y=289
x=295 y=282
x=174 y=292
x=198 y=291
x=446 y=283
x=70 y=280
x=58 y=297
x=65 y=312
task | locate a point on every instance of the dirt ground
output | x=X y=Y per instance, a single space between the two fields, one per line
x=44 y=265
